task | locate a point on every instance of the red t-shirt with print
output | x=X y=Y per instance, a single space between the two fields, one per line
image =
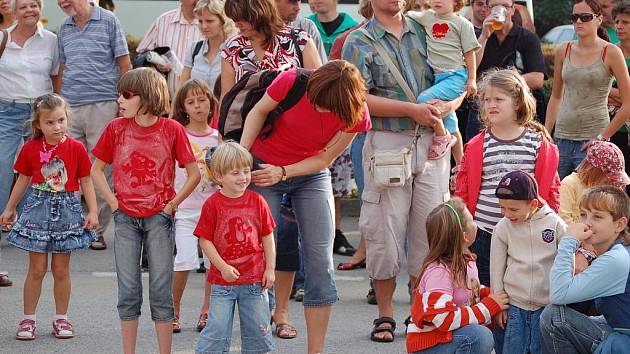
x=301 y=131
x=143 y=161
x=236 y=227
x=54 y=169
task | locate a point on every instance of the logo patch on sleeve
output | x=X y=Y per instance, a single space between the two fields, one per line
x=548 y=235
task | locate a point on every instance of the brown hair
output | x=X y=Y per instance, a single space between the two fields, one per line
x=365 y=9
x=445 y=234
x=261 y=14
x=228 y=156
x=513 y=84
x=150 y=86
x=609 y=199
x=339 y=87
x=198 y=87
x=45 y=103
x=590 y=175
x=593 y=4
x=621 y=8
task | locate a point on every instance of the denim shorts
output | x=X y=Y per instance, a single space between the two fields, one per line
x=51 y=222
x=254 y=319
x=156 y=235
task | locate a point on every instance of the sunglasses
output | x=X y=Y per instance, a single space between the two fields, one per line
x=127 y=94
x=584 y=17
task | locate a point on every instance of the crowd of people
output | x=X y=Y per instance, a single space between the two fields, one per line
x=242 y=126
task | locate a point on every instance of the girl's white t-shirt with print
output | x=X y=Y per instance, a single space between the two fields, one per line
x=200 y=145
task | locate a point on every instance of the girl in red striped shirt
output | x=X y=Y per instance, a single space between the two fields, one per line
x=450 y=309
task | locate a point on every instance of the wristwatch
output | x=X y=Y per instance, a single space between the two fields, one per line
x=284 y=174
x=590 y=257
x=601 y=138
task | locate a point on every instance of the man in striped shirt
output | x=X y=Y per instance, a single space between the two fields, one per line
x=177 y=29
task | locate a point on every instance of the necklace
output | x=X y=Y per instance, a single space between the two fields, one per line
x=44 y=156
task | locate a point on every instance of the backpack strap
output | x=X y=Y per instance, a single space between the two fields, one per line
x=298 y=51
x=196 y=50
x=295 y=94
x=5 y=38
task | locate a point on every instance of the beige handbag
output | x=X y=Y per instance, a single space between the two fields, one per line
x=392 y=168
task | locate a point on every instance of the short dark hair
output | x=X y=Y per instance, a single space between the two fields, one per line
x=261 y=14
x=622 y=8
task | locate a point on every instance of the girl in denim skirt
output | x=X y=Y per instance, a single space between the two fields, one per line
x=52 y=221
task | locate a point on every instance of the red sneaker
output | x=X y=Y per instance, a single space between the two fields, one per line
x=26 y=331
x=62 y=329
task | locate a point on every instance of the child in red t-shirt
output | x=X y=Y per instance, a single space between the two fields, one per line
x=53 y=165
x=236 y=233
x=142 y=148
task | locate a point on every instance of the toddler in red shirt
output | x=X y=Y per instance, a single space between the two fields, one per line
x=142 y=148
x=236 y=233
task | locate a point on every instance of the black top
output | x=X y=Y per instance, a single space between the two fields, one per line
x=331 y=27
x=520 y=49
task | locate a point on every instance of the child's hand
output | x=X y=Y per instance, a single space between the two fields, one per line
x=501 y=298
x=7 y=218
x=269 y=277
x=230 y=273
x=471 y=88
x=91 y=221
x=500 y=319
x=579 y=231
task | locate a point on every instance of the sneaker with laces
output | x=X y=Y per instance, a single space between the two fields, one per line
x=62 y=329
x=26 y=330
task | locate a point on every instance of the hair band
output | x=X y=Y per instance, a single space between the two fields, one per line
x=459 y=221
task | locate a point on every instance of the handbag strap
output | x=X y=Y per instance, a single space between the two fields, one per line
x=5 y=38
x=397 y=75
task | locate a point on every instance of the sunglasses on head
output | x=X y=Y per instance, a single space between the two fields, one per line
x=126 y=94
x=584 y=17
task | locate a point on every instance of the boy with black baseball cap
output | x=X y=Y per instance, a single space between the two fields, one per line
x=524 y=245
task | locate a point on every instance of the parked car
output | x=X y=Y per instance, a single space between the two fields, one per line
x=559 y=34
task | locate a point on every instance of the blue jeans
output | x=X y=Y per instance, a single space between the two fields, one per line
x=571 y=155
x=156 y=234
x=564 y=330
x=447 y=87
x=471 y=339
x=481 y=247
x=356 y=152
x=254 y=317
x=521 y=334
x=13 y=131
x=312 y=200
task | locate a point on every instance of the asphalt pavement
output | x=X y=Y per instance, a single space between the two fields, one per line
x=94 y=316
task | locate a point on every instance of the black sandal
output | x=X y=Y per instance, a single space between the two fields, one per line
x=377 y=329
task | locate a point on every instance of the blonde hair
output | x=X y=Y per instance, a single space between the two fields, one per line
x=150 y=86
x=514 y=85
x=13 y=6
x=327 y=82
x=445 y=234
x=229 y=156
x=611 y=200
x=179 y=104
x=46 y=103
x=217 y=8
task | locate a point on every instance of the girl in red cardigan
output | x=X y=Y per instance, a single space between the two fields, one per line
x=511 y=141
x=450 y=308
